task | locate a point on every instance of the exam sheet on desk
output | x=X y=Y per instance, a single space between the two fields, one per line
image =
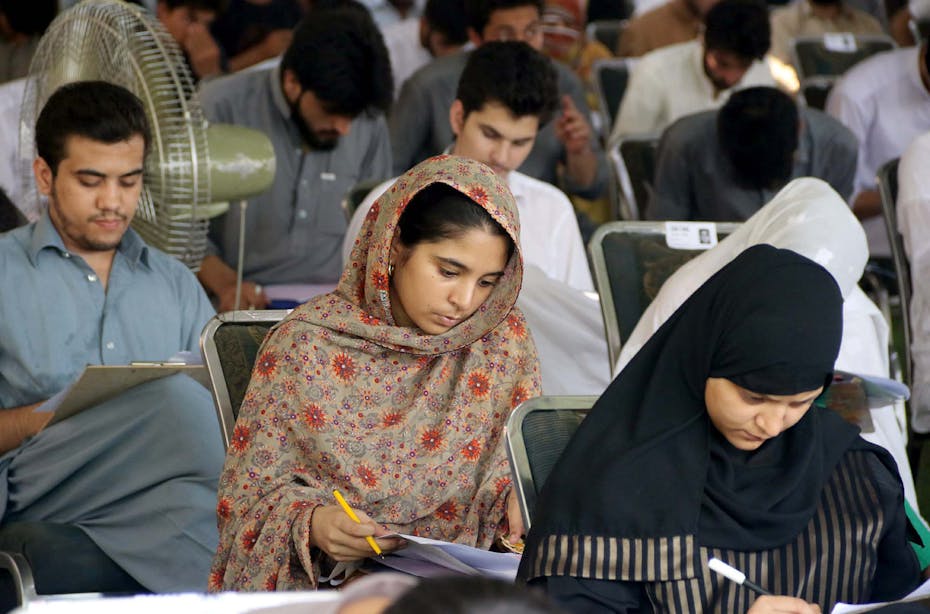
x=318 y=602
x=921 y=593
x=428 y=558
x=300 y=293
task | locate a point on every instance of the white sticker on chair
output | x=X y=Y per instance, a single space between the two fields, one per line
x=690 y=235
x=840 y=42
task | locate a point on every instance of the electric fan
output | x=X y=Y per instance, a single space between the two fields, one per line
x=193 y=168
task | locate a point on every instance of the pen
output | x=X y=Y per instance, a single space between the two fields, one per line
x=351 y=513
x=731 y=573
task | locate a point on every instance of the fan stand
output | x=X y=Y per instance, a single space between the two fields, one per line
x=243 y=204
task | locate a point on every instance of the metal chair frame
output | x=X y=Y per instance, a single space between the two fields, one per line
x=860 y=39
x=221 y=397
x=602 y=277
x=606 y=112
x=522 y=472
x=888 y=188
x=628 y=207
x=606 y=31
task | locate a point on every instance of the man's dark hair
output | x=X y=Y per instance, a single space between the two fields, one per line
x=740 y=27
x=472 y=595
x=29 y=17
x=758 y=133
x=217 y=6
x=513 y=74
x=339 y=55
x=95 y=110
x=448 y=18
x=479 y=11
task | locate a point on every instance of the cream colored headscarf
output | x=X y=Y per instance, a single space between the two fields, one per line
x=807 y=216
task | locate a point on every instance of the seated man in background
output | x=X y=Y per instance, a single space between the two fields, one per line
x=697 y=76
x=419 y=120
x=412 y=43
x=136 y=473
x=188 y=22
x=885 y=102
x=814 y=18
x=185 y=20
x=22 y=24
x=724 y=165
x=322 y=110
x=676 y=21
x=913 y=208
x=252 y=31
x=506 y=93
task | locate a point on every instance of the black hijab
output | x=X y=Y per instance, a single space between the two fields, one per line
x=647 y=462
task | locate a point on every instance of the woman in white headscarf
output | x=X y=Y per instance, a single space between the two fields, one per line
x=810 y=218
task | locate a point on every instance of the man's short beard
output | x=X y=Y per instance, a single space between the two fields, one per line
x=311 y=138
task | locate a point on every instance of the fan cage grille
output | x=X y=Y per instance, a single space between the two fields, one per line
x=121 y=43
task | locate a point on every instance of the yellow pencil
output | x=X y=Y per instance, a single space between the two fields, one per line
x=351 y=513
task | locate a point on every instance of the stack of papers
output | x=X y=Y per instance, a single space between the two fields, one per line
x=428 y=558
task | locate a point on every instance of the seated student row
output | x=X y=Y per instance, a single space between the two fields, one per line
x=280 y=529
x=198 y=514
x=322 y=108
x=471 y=385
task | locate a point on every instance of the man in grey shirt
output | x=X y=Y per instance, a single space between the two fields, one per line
x=322 y=109
x=724 y=165
x=419 y=120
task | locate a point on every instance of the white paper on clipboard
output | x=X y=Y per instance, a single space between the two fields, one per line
x=99 y=383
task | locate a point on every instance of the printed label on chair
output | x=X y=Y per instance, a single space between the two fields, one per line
x=840 y=42
x=690 y=235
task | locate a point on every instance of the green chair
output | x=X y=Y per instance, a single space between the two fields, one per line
x=356 y=195
x=631 y=261
x=230 y=342
x=611 y=77
x=819 y=63
x=606 y=31
x=537 y=432
x=888 y=188
x=633 y=162
x=814 y=56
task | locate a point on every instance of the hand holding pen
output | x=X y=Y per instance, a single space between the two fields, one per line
x=767 y=602
x=344 y=539
x=351 y=514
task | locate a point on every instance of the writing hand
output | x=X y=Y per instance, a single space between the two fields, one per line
x=343 y=539
x=782 y=605
x=514 y=518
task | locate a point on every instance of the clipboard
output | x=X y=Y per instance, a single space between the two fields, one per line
x=99 y=383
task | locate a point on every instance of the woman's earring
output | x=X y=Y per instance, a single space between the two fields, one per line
x=391 y=270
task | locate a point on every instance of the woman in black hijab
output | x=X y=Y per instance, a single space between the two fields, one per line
x=707 y=445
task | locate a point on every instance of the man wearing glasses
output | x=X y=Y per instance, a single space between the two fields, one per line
x=419 y=121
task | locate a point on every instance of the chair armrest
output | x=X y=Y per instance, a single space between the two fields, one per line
x=21 y=573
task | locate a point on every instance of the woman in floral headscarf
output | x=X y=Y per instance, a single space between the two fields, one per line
x=393 y=389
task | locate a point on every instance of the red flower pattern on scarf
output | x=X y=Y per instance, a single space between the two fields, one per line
x=344 y=399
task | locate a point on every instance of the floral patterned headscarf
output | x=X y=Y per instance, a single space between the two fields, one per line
x=365 y=280
x=409 y=426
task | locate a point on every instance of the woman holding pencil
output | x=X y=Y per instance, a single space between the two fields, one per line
x=709 y=445
x=393 y=391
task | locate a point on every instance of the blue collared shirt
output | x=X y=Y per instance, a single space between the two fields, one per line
x=294 y=229
x=56 y=317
